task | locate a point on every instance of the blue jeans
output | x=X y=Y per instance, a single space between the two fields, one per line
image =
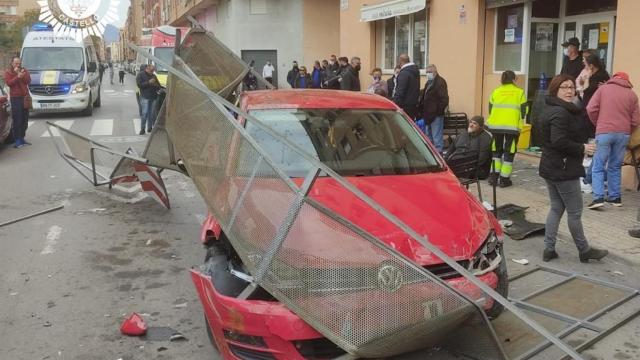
x=434 y=132
x=148 y=116
x=608 y=158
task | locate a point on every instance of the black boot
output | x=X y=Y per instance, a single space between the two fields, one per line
x=593 y=253
x=548 y=255
x=505 y=182
x=493 y=179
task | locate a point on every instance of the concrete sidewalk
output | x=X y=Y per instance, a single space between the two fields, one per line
x=605 y=228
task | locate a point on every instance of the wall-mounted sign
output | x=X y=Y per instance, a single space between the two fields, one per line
x=390 y=9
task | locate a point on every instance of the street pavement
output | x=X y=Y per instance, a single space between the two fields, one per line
x=68 y=278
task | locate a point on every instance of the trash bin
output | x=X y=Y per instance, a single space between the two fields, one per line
x=525 y=137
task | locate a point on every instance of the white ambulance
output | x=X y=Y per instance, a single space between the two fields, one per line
x=64 y=72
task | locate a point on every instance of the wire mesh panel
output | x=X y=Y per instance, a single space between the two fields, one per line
x=214 y=64
x=77 y=150
x=159 y=150
x=357 y=292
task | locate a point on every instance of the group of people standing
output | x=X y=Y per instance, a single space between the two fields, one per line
x=335 y=73
x=587 y=114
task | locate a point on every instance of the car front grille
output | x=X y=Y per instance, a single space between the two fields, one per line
x=444 y=271
x=49 y=90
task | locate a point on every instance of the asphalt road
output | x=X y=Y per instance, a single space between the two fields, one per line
x=68 y=278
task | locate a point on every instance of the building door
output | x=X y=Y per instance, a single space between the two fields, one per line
x=594 y=32
x=260 y=58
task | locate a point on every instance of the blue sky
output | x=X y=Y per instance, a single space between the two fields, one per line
x=122 y=13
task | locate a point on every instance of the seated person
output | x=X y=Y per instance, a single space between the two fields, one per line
x=474 y=143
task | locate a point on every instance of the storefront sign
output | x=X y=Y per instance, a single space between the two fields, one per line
x=390 y=9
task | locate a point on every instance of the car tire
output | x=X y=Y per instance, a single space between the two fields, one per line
x=89 y=110
x=98 y=101
x=502 y=288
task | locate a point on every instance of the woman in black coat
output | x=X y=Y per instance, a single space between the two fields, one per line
x=564 y=146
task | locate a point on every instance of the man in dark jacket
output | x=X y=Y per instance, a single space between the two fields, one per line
x=149 y=86
x=573 y=63
x=351 y=76
x=434 y=102
x=293 y=73
x=475 y=143
x=407 y=86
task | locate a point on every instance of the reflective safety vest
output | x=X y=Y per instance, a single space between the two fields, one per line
x=507 y=103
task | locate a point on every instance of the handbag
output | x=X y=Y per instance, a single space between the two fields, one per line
x=28 y=102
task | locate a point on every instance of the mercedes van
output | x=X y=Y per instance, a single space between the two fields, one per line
x=64 y=72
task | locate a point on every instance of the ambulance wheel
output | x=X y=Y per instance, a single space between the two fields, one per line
x=98 y=102
x=89 y=110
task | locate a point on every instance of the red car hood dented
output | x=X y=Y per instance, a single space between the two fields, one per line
x=433 y=204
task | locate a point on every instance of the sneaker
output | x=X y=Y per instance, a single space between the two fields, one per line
x=615 y=202
x=141 y=132
x=548 y=255
x=505 y=182
x=19 y=143
x=597 y=203
x=149 y=131
x=586 y=188
x=493 y=179
x=634 y=233
x=593 y=254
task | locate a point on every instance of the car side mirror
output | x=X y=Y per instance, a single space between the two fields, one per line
x=92 y=66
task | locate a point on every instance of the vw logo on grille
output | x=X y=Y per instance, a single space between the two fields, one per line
x=390 y=277
x=48 y=90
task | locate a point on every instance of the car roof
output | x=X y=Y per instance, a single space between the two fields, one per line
x=314 y=99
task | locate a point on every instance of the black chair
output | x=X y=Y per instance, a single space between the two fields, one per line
x=466 y=170
x=454 y=124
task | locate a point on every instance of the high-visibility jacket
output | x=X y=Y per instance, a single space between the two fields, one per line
x=507 y=109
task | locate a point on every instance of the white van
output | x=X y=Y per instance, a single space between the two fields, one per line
x=64 y=72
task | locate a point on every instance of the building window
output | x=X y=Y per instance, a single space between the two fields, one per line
x=8 y=10
x=509 y=38
x=258 y=7
x=406 y=34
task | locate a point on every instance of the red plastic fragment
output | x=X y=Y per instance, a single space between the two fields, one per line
x=134 y=325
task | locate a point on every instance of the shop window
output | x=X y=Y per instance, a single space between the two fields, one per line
x=579 y=7
x=549 y=9
x=405 y=34
x=509 y=38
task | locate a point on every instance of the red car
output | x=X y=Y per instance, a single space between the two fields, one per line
x=5 y=114
x=359 y=136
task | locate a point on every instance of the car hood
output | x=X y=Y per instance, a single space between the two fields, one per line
x=434 y=205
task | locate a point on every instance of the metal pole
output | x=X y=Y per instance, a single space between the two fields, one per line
x=32 y=215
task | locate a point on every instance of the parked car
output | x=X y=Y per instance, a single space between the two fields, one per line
x=357 y=135
x=5 y=114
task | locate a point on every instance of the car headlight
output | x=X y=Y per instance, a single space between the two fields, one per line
x=488 y=257
x=491 y=244
x=79 y=88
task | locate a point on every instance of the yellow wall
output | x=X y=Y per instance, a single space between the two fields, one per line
x=358 y=38
x=455 y=47
x=321 y=32
x=627 y=52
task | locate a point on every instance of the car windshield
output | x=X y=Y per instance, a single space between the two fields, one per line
x=352 y=142
x=53 y=58
x=164 y=54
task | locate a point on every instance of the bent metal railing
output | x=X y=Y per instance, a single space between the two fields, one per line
x=354 y=289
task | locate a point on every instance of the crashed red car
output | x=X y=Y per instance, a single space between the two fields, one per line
x=411 y=181
x=5 y=114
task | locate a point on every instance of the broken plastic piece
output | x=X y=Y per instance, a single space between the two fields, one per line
x=177 y=337
x=134 y=325
x=520 y=261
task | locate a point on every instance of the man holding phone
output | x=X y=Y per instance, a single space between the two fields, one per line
x=18 y=80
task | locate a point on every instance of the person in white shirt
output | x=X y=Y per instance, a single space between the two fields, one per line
x=267 y=72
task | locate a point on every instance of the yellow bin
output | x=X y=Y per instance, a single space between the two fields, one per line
x=525 y=137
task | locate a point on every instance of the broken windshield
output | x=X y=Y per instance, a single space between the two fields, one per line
x=353 y=142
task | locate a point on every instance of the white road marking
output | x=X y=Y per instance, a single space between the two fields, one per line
x=65 y=124
x=30 y=123
x=129 y=91
x=109 y=91
x=51 y=240
x=102 y=127
x=136 y=126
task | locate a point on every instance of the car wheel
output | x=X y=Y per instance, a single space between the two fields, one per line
x=98 y=101
x=89 y=110
x=502 y=288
